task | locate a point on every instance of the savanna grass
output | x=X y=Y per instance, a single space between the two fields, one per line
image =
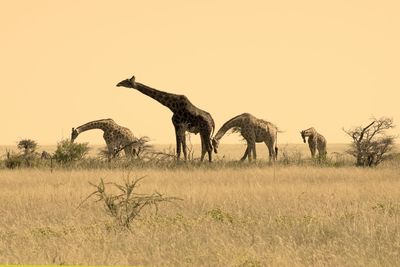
x=301 y=216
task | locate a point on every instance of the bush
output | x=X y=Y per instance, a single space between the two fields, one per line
x=67 y=151
x=27 y=146
x=26 y=157
x=13 y=160
x=127 y=204
x=371 y=144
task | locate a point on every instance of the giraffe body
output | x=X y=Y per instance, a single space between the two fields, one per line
x=186 y=117
x=316 y=141
x=116 y=137
x=254 y=131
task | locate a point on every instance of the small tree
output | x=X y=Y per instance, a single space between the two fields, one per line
x=27 y=146
x=67 y=151
x=371 y=144
x=28 y=152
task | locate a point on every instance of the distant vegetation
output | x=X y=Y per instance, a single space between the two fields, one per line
x=76 y=156
x=371 y=146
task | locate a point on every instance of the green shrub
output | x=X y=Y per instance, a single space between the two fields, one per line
x=67 y=151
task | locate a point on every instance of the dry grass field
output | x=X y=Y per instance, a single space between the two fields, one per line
x=247 y=215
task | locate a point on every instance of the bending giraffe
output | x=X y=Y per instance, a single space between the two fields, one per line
x=116 y=137
x=254 y=131
x=316 y=142
x=186 y=118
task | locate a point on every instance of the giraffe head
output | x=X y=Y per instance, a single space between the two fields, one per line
x=303 y=135
x=215 y=144
x=129 y=83
x=74 y=134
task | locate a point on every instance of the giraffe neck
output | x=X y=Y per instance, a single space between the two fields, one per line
x=99 y=124
x=234 y=122
x=166 y=99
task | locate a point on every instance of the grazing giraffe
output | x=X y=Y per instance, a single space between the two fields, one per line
x=186 y=118
x=254 y=131
x=117 y=137
x=316 y=141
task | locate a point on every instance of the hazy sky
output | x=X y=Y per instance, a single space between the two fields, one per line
x=327 y=64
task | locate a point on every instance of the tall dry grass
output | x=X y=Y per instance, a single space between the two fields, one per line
x=301 y=216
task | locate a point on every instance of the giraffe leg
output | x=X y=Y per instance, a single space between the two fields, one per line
x=253 y=147
x=111 y=151
x=254 y=151
x=274 y=150
x=270 y=150
x=251 y=142
x=178 y=145
x=249 y=156
x=203 y=148
x=249 y=152
x=209 y=151
x=184 y=148
x=180 y=142
x=246 y=152
x=272 y=154
x=207 y=146
x=313 y=150
x=322 y=153
x=129 y=152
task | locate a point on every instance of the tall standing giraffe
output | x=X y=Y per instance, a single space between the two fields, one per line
x=187 y=117
x=254 y=131
x=116 y=137
x=316 y=142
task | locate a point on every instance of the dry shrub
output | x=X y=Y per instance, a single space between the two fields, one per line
x=371 y=144
x=127 y=204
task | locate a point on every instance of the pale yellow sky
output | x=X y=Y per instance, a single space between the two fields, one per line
x=327 y=64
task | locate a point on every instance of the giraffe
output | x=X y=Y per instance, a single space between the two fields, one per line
x=186 y=117
x=316 y=141
x=254 y=131
x=116 y=137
